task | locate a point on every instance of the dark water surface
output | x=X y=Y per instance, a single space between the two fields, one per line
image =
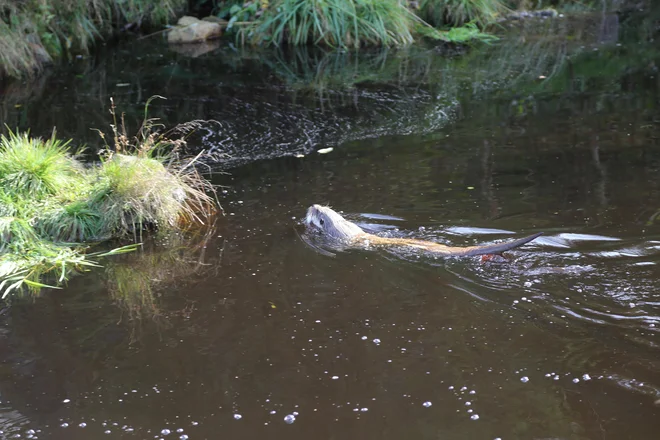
x=235 y=333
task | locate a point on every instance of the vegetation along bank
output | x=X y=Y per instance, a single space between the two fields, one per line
x=34 y=33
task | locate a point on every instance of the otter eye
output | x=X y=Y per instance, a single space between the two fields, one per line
x=321 y=222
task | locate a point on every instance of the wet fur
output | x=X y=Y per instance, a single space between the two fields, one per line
x=325 y=221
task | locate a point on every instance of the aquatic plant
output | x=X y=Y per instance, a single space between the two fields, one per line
x=33 y=32
x=52 y=206
x=144 y=182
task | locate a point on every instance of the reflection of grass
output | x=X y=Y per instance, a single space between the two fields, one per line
x=135 y=280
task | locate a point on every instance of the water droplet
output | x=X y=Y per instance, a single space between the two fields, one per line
x=524 y=379
x=64 y=425
x=427 y=404
x=183 y=437
x=364 y=338
x=586 y=377
x=165 y=432
x=364 y=409
x=66 y=401
x=107 y=431
x=576 y=380
x=179 y=430
x=238 y=416
x=82 y=424
x=376 y=341
x=195 y=423
x=335 y=377
x=289 y=419
x=474 y=417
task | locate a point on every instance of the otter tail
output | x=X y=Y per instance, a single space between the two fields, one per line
x=497 y=248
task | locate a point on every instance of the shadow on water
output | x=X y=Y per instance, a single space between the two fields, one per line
x=245 y=329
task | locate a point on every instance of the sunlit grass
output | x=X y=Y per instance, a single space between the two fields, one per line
x=52 y=206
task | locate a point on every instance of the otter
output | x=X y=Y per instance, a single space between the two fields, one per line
x=328 y=223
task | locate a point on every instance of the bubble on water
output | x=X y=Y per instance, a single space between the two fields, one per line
x=238 y=416
x=179 y=430
x=66 y=401
x=586 y=377
x=289 y=419
x=473 y=392
x=64 y=425
x=30 y=432
x=451 y=387
x=295 y=413
x=524 y=379
x=107 y=431
x=273 y=411
x=82 y=424
x=474 y=417
x=335 y=377
x=427 y=404
x=183 y=437
x=364 y=338
x=377 y=341
x=576 y=380
x=195 y=423
x=468 y=403
x=364 y=409
x=528 y=284
x=165 y=432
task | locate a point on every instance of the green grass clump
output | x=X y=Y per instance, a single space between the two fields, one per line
x=52 y=206
x=336 y=23
x=34 y=169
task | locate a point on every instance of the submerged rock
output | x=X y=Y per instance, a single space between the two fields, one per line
x=192 y=30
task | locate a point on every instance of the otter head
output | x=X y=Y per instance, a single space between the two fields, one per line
x=327 y=222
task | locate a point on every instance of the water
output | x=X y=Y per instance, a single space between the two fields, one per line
x=246 y=332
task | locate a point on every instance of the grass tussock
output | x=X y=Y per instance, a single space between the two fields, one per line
x=336 y=23
x=52 y=206
x=34 y=32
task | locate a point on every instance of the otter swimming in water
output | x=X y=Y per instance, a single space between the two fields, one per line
x=330 y=224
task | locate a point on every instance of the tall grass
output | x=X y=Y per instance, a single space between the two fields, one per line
x=33 y=32
x=52 y=206
x=336 y=23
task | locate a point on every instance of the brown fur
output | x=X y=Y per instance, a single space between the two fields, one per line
x=329 y=223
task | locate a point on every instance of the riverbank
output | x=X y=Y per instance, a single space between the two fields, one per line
x=36 y=33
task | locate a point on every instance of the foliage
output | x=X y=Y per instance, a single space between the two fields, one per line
x=50 y=202
x=33 y=32
x=336 y=23
x=459 y=12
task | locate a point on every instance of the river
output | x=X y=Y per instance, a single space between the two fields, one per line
x=244 y=331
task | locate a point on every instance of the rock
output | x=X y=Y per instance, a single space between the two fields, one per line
x=187 y=20
x=214 y=19
x=192 y=30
